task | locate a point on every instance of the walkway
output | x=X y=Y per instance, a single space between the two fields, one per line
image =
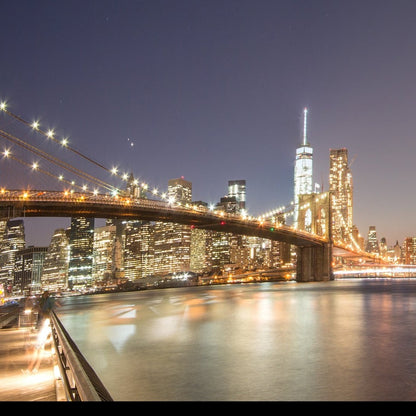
x=16 y=352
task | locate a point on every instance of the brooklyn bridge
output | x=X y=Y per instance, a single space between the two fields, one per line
x=315 y=248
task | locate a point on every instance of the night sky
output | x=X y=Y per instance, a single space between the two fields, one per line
x=214 y=91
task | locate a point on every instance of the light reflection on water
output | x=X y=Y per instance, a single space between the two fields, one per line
x=339 y=340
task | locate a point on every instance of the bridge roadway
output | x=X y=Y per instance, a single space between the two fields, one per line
x=18 y=203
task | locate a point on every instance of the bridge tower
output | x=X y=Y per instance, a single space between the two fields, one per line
x=314 y=264
x=314 y=216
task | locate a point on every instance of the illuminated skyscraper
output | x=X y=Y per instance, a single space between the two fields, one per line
x=103 y=248
x=303 y=169
x=81 y=239
x=237 y=189
x=409 y=250
x=13 y=240
x=340 y=187
x=138 y=249
x=55 y=265
x=372 y=242
x=172 y=242
x=28 y=270
x=180 y=190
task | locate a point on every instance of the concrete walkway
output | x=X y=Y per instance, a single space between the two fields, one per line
x=17 y=349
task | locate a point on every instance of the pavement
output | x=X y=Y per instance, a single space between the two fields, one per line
x=17 y=351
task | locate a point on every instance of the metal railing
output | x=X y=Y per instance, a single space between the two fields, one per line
x=80 y=381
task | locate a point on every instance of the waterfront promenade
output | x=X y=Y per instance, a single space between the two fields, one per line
x=16 y=352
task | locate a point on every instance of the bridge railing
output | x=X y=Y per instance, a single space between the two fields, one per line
x=81 y=383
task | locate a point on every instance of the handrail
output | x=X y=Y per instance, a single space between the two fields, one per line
x=81 y=383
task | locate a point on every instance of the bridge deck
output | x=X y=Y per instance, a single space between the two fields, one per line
x=16 y=352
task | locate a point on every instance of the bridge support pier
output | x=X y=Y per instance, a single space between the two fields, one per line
x=314 y=264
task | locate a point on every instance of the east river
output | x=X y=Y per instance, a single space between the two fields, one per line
x=348 y=340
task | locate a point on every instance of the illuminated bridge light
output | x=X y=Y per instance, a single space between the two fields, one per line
x=3 y=105
x=35 y=125
x=50 y=134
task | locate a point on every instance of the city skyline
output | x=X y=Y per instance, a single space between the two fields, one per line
x=214 y=91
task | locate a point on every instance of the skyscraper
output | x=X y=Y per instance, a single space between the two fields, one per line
x=303 y=169
x=138 y=249
x=28 y=270
x=237 y=189
x=172 y=242
x=103 y=247
x=180 y=190
x=81 y=239
x=13 y=240
x=340 y=187
x=372 y=242
x=55 y=265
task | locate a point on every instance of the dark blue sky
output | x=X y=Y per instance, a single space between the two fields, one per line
x=214 y=91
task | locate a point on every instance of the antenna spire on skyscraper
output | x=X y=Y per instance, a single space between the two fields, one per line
x=305 y=114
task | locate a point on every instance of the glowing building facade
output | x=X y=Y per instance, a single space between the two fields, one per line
x=409 y=250
x=372 y=241
x=81 y=238
x=13 y=240
x=237 y=189
x=103 y=248
x=55 y=265
x=340 y=187
x=138 y=249
x=303 y=169
x=28 y=270
x=172 y=242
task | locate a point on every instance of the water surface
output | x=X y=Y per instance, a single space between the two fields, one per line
x=339 y=340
